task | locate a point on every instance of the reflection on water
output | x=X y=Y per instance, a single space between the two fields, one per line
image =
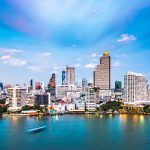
x=134 y=118
x=76 y=132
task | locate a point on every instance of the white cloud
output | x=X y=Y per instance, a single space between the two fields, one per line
x=10 y=51
x=77 y=65
x=116 y=64
x=12 y=61
x=94 y=55
x=34 y=68
x=46 y=54
x=5 y=57
x=126 y=38
x=90 y=65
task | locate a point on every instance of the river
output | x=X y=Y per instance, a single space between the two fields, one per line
x=76 y=132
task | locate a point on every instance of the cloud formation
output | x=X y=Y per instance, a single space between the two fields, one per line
x=90 y=65
x=13 y=61
x=126 y=38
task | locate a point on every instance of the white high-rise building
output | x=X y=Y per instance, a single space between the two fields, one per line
x=17 y=98
x=70 y=75
x=135 y=87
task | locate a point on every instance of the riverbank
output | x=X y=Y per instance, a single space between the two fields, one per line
x=91 y=113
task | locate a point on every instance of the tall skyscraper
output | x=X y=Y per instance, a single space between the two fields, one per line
x=70 y=75
x=135 y=87
x=31 y=83
x=52 y=85
x=63 y=77
x=84 y=82
x=102 y=73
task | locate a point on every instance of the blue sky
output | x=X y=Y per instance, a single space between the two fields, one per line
x=38 y=38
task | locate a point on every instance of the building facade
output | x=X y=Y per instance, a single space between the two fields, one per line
x=70 y=75
x=118 y=86
x=52 y=85
x=102 y=73
x=135 y=88
x=84 y=82
x=17 y=98
x=63 y=77
x=43 y=99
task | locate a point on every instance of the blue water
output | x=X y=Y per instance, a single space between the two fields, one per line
x=76 y=132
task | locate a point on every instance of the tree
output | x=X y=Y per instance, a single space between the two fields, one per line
x=111 y=105
x=146 y=108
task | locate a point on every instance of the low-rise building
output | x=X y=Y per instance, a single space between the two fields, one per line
x=43 y=99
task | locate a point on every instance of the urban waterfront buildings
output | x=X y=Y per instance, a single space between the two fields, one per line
x=135 y=87
x=102 y=73
x=70 y=75
x=17 y=98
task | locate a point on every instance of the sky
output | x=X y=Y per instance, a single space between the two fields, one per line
x=41 y=37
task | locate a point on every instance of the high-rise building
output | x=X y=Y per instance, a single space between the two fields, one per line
x=1 y=86
x=118 y=86
x=135 y=87
x=102 y=73
x=70 y=75
x=17 y=98
x=31 y=83
x=84 y=82
x=63 y=77
x=52 y=85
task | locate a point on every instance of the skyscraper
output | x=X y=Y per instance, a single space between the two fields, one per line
x=63 y=77
x=84 y=82
x=31 y=83
x=1 y=86
x=52 y=85
x=118 y=86
x=70 y=75
x=135 y=87
x=102 y=73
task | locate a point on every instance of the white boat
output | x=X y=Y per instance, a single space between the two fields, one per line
x=37 y=129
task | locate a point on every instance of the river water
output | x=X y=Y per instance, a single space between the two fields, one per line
x=76 y=132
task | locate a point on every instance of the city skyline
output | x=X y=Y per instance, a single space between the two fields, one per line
x=29 y=51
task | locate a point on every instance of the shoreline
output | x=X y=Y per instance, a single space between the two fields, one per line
x=85 y=113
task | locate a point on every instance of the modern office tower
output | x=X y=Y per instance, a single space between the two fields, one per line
x=1 y=86
x=63 y=77
x=17 y=98
x=84 y=82
x=31 y=83
x=70 y=75
x=102 y=73
x=52 y=85
x=118 y=86
x=135 y=87
x=42 y=99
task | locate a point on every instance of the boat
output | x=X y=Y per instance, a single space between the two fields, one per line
x=39 y=129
